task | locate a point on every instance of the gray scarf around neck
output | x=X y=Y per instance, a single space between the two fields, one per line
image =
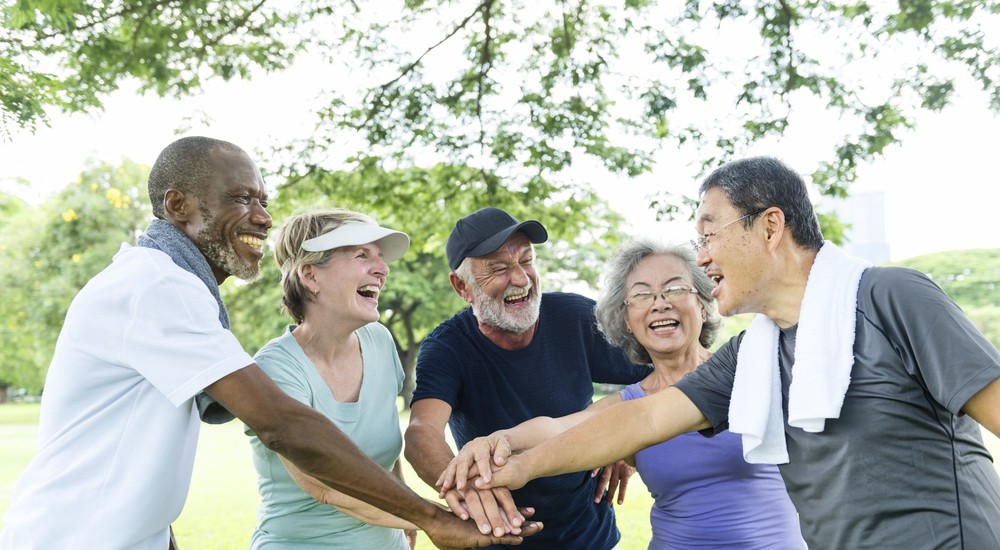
x=165 y=237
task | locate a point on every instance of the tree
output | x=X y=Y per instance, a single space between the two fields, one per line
x=425 y=203
x=523 y=90
x=50 y=251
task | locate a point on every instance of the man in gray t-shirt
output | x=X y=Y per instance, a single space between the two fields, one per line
x=903 y=466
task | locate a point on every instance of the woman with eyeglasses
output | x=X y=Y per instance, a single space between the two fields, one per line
x=657 y=306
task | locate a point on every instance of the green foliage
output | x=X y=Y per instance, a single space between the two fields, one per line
x=50 y=251
x=71 y=53
x=523 y=90
x=970 y=277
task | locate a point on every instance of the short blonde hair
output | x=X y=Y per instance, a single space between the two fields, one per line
x=291 y=258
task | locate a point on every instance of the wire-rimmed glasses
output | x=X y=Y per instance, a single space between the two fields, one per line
x=669 y=294
x=702 y=240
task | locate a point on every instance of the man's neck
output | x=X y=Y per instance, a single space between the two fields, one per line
x=506 y=339
x=788 y=287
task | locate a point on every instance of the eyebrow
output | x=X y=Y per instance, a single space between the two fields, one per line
x=671 y=280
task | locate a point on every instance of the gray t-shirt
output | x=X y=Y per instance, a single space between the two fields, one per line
x=902 y=467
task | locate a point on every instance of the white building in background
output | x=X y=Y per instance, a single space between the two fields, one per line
x=863 y=214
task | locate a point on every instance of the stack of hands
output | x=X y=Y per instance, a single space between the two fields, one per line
x=477 y=484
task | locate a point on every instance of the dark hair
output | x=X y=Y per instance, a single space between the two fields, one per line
x=757 y=183
x=610 y=308
x=186 y=165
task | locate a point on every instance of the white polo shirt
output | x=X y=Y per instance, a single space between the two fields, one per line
x=118 y=426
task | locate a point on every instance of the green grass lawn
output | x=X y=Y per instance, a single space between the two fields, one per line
x=221 y=508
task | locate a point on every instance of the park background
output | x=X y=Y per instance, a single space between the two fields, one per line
x=594 y=117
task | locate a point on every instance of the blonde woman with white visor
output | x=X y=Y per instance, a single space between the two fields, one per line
x=339 y=360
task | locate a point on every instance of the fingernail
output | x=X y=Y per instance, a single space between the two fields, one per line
x=484 y=529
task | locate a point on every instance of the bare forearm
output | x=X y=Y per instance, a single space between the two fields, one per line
x=536 y=431
x=614 y=433
x=357 y=509
x=428 y=452
x=314 y=444
x=316 y=447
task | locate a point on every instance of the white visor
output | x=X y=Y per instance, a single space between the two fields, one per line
x=392 y=243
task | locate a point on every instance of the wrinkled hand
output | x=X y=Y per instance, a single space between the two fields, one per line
x=513 y=474
x=614 y=479
x=448 y=532
x=493 y=510
x=474 y=459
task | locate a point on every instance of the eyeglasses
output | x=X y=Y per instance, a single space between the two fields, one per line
x=669 y=294
x=702 y=241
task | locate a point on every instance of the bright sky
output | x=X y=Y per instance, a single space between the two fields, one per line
x=942 y=189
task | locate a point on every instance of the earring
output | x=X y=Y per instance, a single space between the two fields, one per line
x=704 y=316
x=628 y=329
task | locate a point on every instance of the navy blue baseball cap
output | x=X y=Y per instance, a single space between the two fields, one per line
x=484 y=231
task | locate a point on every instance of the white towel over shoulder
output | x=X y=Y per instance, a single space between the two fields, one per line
x=824 y=356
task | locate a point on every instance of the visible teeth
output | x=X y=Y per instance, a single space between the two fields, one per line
x=716 y=278
x=250 y=240
x=515 y=297
x=667 y=323
x=371 y=291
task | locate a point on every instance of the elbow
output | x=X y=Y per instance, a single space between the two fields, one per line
x=410 y=444
x=273 y=438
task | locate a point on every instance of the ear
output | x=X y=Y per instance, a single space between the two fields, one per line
x=774 y=227
x=307 y=276
x=461 y=287
x=178 y=205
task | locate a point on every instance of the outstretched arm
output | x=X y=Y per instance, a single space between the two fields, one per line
x=357 y=509
x=479 y=455
x=429 y=453
x=313 y=443
x=616 y=432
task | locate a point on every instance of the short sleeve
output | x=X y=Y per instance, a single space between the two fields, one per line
x=438 y=373
x=710 y=386
x=174 y=338
x=934 y=338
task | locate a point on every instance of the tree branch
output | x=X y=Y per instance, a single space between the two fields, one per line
x=384 y=88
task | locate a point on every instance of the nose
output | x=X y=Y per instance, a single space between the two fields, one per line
x=657 y=300
x=380 y=268
x=702 y=257
x=519 y=276
x=259 y=215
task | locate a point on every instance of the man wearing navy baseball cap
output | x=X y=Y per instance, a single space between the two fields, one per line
x=508 y=358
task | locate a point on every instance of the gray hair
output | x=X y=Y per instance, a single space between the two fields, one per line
x=610 y=308
x=757 y=183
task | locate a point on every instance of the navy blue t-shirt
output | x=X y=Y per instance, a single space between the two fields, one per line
x=490 y=389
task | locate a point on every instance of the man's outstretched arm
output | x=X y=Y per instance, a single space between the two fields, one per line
x=614 y=433
x=314 y=444
x=429 y=453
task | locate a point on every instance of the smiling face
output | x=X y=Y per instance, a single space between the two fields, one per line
x=504 y=291
x=734 y=257
x=664 y=328
x=350 y=283
x=230 y=222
